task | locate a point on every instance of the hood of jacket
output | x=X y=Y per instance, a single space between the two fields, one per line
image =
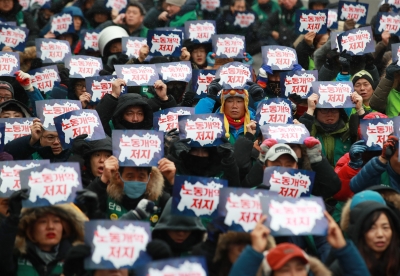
x=25 y=110
x=68 y=212
x=90 y=147
x=131 y=99
x=71 y=89
x=10 y=16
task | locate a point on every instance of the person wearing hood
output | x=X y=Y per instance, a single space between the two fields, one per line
x=42 y=14
x=121 y=189
x=77 y=91
x=14 y=109
x=131 y=111
x=11 y=10
x=34 y=241
x=181 y=233
x=98 y=14
x=374 y=229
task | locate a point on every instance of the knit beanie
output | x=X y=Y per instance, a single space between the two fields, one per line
x=178 y=3
x=363 y=75
x=242 y=93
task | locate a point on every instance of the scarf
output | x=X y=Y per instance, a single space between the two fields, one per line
x=47 y=257
x=235 y=123
x=329 y=128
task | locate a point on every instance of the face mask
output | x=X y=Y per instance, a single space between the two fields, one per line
x=135 y=189
x=275 y=87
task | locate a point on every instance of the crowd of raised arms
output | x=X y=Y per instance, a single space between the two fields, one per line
x=140 y=137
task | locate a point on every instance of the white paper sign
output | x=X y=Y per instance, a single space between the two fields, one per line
x=229 y=46
x=298 y=183
x=244 y=210
x=10 y=177
x=51 y=111
x=16 y=130
x=275 y=113
x=144 y=154
x=214 y=128
x=356 y=43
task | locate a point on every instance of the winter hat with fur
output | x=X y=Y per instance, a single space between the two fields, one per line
x=241 y=93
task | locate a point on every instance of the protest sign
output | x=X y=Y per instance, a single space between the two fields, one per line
x=43 y=78
x=118 y=5
x=376 y=131
x=228 y=46
x=131 y=45
x=201 y=78
x=164 y=43
x=234 y=75
x=205 y=130
x=47 y=110
x=138 y=148
x=180 y=30
x=295 y=216
x=183 y=266
x=274 y=111
x=241 y=207
x=116 y=244
x=81 y=67
x=52 y=50
x=209 y=5
x=334 y=94
x=394 y=4
x=9 y=63
x=351 y=10
x=99 y=86
x=16 y=127
x=289 y=182
x=175 y=71
x=167 y=119
x=51 y=184
x=297 y=83
x=334 y=40
x=13 y=36
x=62 y=23
x=137 y=74
x=9 y=174
x=196 y=196
x=244 y=19
x=357 y=41
x=90 y=40
x=200 y=31
x=311 y=21
x=285 y=133
x=396 y=53
x=388 y=22
x=77 y=122
x=2 y=135
x=279 y=57
x=332 y=19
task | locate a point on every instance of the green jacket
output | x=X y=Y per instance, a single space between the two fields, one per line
x=179 y=21
x=261 y=14
x=393 y=103
x=25 y=268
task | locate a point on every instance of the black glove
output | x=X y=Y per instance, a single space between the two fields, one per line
x=170 y=137
x=331 y=59
x=255 y=91
x=369 y=61
x=122 y=59
x=15 y=202
x=88 y=202
x=213 y=88
x=64 y=76
x=73 y=262
x=345 y=60
x=180 y=148
x=188 y=99
x=225 y=150
x=158 y=249
x=391 y=69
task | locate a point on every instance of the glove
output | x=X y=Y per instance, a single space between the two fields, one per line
x=170 y=137
x=331 y=58
x=144 y=209
x=158 y=249
x=369 y=61
x=64 y=76
x=391 y=69
x=262 y=78
x=87 y=201
x=122 y=59
x=265 y=146
x=73 y=262
x=180 y=148
x=225 y=150
x=213 y=88
x=314 y=149
x=255 y=91
x=345 y=60
x=210 y=59
x=297 y=67
x=5 y=156
x=250 y=59
x=355 y=153
x=15 y=202
x=24 y=79
x=389 y=147
x=188 y=99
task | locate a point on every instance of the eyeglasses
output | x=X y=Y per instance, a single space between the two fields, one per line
x=328 y=110
x=80 y=86
x=51 y=139
x=3 y=99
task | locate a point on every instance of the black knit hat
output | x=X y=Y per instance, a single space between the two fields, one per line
x=363 y=75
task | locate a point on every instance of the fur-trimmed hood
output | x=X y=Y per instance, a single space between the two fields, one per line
x=68 y=213
x=153 y=191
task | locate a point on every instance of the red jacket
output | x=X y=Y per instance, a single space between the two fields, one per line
x=345 y=173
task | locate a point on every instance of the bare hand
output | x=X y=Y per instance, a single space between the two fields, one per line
x=36 y=131
x=119 y=20
x=385 y=37
x=163 y=16
x=143 y=52
x=85 y=99
x=161 y=90
x=259 y=235
x=312 y=103
x=357 y=100
x=275 y=35
x=114 y=14
x=309 y=38
x=110 y=168
x=335 y=236
x=251 y=127
x=49 y=35
x=349 y=24
x=117 y=87
x=7 y=49
x=185 y=55
x=168 y=169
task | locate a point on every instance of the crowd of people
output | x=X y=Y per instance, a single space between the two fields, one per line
x=360 y=188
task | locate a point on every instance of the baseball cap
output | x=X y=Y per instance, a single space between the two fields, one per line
x=277 y=150
x=278 y=256
x=7 y=86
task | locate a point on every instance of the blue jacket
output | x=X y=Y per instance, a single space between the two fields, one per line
x=33 y=97
x=375 y=173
